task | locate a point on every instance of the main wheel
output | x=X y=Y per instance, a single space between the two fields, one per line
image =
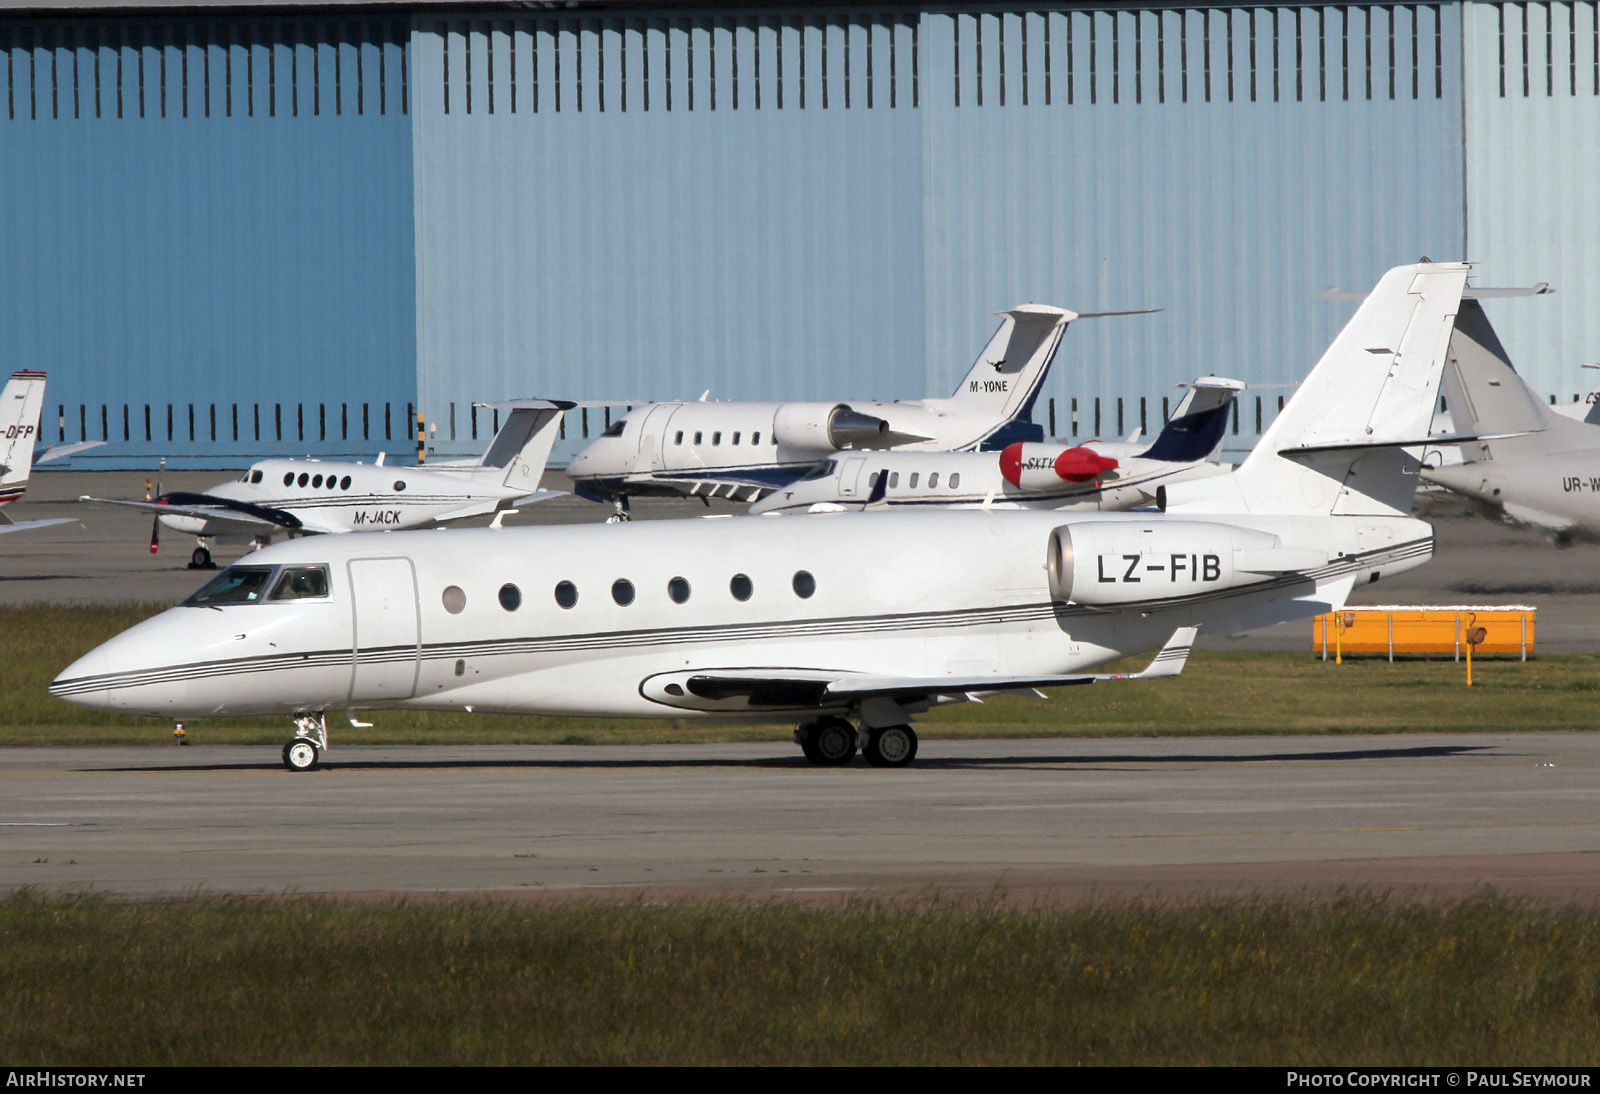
x=301 y=754
x=891 y=746
x=806 y=737
x=834 y=741
x=200 y=559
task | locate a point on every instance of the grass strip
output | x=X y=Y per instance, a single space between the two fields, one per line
x=1220 y=693
x=1351 y=980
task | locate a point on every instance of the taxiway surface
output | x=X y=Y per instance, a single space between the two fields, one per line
x=1056 y=820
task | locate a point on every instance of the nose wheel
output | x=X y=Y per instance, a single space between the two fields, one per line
x=301 y=754
x=304 y=753
x=200 y=559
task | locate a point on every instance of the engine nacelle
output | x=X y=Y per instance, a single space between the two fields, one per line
x=1043 y=466
x=818 y=427
x=1132 y=562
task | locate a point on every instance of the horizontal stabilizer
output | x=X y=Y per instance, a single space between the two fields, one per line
x=1413 y=442
x=30 y=525
x=1538 y=288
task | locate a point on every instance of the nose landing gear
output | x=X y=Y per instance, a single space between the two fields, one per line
x=304 y=753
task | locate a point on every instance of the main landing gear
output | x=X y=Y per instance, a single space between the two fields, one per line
x=304 y=753
x=621 y=513
x=832 y=742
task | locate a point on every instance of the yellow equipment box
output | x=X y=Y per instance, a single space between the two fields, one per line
x=1392 y=629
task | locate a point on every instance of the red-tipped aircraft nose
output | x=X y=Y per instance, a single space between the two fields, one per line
x=1011 y=463
x=1082 y=464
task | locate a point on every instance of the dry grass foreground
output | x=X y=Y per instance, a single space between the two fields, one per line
x=1350 y=980
x=1219 y=693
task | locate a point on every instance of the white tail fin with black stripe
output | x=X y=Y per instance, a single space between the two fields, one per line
x=20 y=405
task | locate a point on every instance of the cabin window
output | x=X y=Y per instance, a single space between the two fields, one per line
x=894 y=478
x=740 y=587
x=915 y=475
x=872 y=480
x=333 y=483
x=510 y=597
x=955 y=479
x=735 y=438
x=455 y=599
x=622 y=591
x=933 y=481
x=716 y=438
x=615 y=428
x=235 y=585
x=288 y=480
x=344 y=483
x=679 y=438
x=678 y=590
x=399 y=484
x=566 y=594
x=255 y=477
x=316 y=481
x=698 y=436
x=755 y=438
x=303 y=479
x=301 y=583
x=804 y=584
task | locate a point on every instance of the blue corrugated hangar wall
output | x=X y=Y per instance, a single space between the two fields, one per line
x=307 y=224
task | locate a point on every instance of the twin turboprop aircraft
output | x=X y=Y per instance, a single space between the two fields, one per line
x=308 y=496
x=849 y=625
x=1534 y=464
x=1024 y=476
x=744 y=450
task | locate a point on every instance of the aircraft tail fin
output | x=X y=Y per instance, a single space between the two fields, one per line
x=21 y=402
x=1486 y=396
x=1339 y=446
x=521 y=447
x=1198 y=425
x=1006 y=378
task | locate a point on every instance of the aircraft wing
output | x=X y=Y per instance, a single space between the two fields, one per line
x=29 y=525
x=814 y=688
x=492 y=505
x=61 y=451
x=251 y=519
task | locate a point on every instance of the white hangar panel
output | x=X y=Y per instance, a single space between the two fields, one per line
x=1532 y=161
x=650 y=208
x=1224 y=165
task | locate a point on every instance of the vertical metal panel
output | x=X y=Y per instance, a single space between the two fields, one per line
x=1231 y=215
x=199 y=257
x=1532 y=104
x=654 y=252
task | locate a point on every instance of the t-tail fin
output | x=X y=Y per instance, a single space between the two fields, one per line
x=1486 y=396
x=1197 y=427
x=521 y=447
x=1340 y=444
x=20 y=404
x=1008 y=373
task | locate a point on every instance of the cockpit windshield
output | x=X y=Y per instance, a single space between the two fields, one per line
x=301 y=583
x=821 y=471
x=235 y=585
x=615 y=428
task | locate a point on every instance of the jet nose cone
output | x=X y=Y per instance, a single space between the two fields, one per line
x=83 y=681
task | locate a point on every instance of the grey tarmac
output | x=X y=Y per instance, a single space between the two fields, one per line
x=1037 y=820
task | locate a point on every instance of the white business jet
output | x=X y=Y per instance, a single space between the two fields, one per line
x=743 y=450
x=833 y=622
x=306 y=496
x=1024 y=476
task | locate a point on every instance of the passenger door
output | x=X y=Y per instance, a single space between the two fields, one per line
x=386 y=644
